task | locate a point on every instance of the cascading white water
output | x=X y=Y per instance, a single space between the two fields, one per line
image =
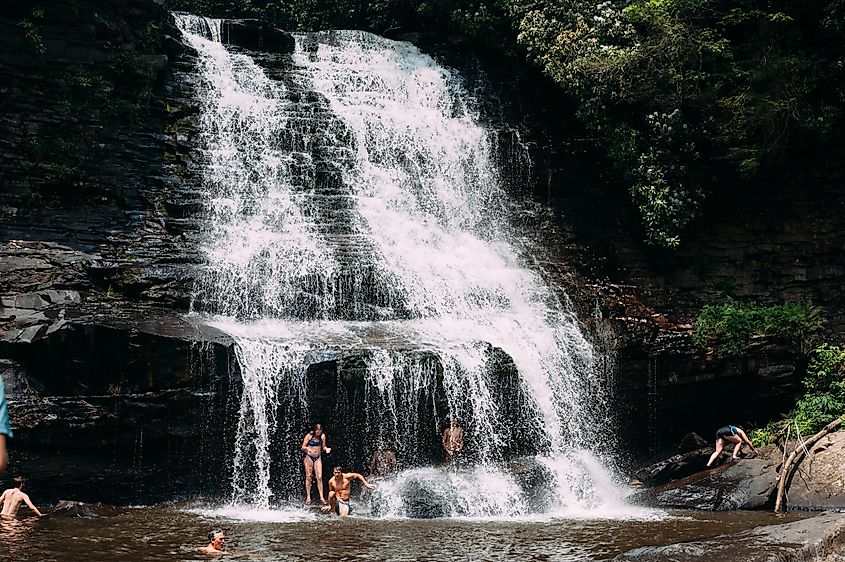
x=366 y=215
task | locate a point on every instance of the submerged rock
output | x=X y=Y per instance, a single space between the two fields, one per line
x=71 y=508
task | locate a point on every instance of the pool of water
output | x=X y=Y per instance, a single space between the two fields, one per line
x=174 y=531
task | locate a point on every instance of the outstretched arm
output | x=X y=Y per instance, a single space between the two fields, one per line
x=32 y=507
x=323 y=439
x=362 y=479
x=746 y=440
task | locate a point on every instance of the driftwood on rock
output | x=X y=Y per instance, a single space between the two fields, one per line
x=796 y=456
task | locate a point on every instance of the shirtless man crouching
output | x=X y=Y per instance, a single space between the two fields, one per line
x=339 y=490
x=13 y=497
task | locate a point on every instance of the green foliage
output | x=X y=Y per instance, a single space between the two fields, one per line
x=823 y=401
x=30 y=30
x=745 y=81
x=685 y=97
x=732 y=324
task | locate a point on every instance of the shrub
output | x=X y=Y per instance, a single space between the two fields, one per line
x=823 y=402
x=732 y=324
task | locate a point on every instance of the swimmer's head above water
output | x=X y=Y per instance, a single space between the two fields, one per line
x=215 y=539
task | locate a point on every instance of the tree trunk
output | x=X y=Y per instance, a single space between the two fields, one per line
x=795 y=457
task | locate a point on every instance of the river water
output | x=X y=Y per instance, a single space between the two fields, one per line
x=173 y=532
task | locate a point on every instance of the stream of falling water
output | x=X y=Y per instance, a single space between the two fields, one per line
x=354 y=206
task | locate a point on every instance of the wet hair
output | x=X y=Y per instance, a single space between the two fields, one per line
x=19 y=481
x=316 y=427
x=214 y=533
x=337 y=468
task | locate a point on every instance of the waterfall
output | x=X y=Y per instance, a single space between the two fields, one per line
x=354 y=206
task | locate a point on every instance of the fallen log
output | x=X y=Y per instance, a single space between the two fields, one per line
x=795 y=457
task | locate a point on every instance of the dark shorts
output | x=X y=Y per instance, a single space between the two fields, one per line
x=724 y=432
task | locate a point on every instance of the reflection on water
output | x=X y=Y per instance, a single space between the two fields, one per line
x=173 y=532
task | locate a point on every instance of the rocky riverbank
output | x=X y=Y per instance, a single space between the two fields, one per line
x=684 y=481
x=819 y=538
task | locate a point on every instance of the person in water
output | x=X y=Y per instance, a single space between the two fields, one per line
x=340 y=489
x=215 y=543
x=731 y=433
x=453 y=441
x=382 y=462
x=11 y=499
x=313 y=445
x=5 y=428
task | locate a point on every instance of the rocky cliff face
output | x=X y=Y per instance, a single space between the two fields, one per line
x=98 y=248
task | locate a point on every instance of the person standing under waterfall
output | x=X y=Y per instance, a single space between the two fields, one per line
x=731 y=433
x=453 y=441
x=340 y=489
x=313 y=445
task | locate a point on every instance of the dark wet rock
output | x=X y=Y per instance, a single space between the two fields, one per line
x=744 y=484
x=673 y=468
x=70 y=508
x=532 y=477
x=257 y=35
x=691 y=442
x=421 y=502
x=800 y=541
x=683 y=481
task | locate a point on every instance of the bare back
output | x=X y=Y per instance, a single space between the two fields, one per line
x=12 y=500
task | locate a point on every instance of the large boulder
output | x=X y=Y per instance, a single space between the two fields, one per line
x=744 y=484
x=683 y=481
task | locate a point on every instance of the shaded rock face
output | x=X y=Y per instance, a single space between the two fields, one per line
x=257 y=35
x=820 y=481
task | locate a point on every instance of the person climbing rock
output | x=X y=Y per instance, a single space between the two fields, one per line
x=733 y=434
x=313 y=445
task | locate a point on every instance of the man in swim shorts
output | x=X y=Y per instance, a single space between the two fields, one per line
x=731 y=433
x=12 y=498
x=339 y=490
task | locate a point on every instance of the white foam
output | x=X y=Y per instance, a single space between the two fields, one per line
x=244 y=512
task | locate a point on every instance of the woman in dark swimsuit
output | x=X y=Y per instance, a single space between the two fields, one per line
x=733 y=434
x=313 y=445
